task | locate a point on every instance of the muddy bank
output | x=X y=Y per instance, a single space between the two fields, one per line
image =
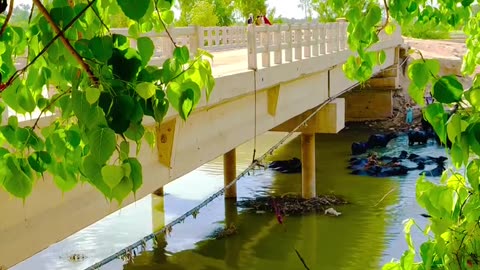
x=449 y=53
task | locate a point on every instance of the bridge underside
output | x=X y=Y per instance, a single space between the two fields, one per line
x=235 y=110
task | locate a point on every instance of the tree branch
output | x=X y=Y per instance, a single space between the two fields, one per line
x=31 y=14
x=22 y=70
x=98 y=16
x=49 y=106
x=65 y=42
x=164 y=25
x=9 y=15
x=387 y=14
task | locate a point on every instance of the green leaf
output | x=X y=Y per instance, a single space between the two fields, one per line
x=373 y=17
x=168 y=16
x=433 y=66
x=134 y=9
x=435 y=114
x=92 y=94
x=17 y=182
x=39 y=161
x=183 y=97
x=135 y=132
x=25 y=99
x=102 y=144
x=381 y=57
x=390 y=28
x=136 y=173
x=146 y=49
x=447 y=89
x=124 y=150
x=164 y=4
x=121 y=191
x=473 y=97
x=181 y=54
x=416 y=94
x=454 y=127
x=112 y=175
x=419 y=73
x=457 y=155
x=145 y=89
x=150 y=138
x=473 y=174
x=102 y=47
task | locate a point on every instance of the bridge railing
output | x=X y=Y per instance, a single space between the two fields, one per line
x=288 y=43
x=277 y=44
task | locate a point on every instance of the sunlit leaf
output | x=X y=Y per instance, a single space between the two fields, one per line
x=447 y=89
x=134 y=9
x=112 y=175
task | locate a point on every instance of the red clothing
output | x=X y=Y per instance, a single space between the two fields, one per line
x=265 y=19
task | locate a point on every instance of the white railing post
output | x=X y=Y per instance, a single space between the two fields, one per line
x=288 y=40
x=193 y=40
x=321 y=37
x=329 y=37
x=336 y=37
x=307 y=34
x=252 y=47
x=277 y=37
x=265 y=37
x=315 y=28
x=298 y=42
x=343 y=35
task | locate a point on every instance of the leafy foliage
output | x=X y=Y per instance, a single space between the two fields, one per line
x=100 y=88
x=453 y=204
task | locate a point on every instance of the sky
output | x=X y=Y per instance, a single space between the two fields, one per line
x=284 y=8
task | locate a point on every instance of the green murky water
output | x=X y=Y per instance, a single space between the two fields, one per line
x=366 y=235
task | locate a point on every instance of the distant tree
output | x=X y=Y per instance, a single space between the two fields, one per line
x=185 y=6
x=20 y=15
x=329 y=13
x=306 y=6
x=255 y=7
x=203 y=14
x=224 y=10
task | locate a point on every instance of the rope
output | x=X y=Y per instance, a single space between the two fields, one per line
x=194 y=211
x=254 y=115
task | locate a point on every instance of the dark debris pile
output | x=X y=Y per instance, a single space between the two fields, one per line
x=291 y=205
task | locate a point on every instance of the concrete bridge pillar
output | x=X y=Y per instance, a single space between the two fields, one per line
x=308 y=165
x=230 y=173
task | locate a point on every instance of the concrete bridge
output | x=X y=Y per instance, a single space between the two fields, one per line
x=267 y=78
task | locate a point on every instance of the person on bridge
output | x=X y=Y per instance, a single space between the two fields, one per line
x=250 y=19
x=267 y=22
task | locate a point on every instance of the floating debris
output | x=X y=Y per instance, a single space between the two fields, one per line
x=291 y=204
x=225 y=232
x=76 y=257
x=332 y=212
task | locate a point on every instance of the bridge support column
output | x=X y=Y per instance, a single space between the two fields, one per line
x=159 y=192
x=230 y=173
x=158 y=212
x=308 y=165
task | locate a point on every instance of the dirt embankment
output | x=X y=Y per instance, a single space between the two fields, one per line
x=449 y=53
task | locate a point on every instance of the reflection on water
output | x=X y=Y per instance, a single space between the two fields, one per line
x=368 y=234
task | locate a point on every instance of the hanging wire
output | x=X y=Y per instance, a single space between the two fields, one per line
x=132 y=249
x=254 y=116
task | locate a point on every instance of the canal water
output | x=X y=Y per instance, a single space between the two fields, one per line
x=368 y=234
